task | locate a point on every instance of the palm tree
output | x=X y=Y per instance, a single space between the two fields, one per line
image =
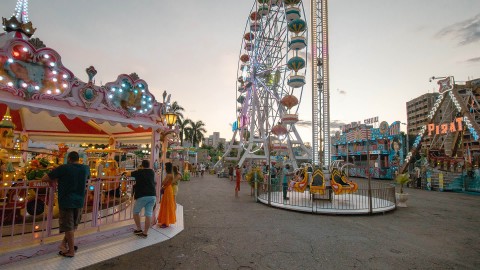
x=220 y=147
x=177 y=109
x=196 y=132
x=182 y=125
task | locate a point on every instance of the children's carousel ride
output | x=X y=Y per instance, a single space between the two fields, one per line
x=41 y=100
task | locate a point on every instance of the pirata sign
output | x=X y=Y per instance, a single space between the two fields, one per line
x=445 y=128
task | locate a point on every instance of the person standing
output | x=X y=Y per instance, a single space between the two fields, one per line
x=72 y=179
x=238 y=176
x=145 y=196
x=230 y=172
x=167 y=214
x=176 y=179
x=286 y=173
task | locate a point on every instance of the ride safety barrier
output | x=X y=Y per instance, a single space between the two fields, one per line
x=380 y=197
x=29 y=210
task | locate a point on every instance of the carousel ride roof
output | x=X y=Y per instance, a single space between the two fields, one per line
x=50 y=103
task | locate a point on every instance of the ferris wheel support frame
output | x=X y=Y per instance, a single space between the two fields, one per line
x=320 y=83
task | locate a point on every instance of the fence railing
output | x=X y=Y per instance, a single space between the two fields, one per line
x=379 y=197
x=29 y=210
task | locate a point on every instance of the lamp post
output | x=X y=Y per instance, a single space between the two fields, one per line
x=407 y=142
x=170 y=119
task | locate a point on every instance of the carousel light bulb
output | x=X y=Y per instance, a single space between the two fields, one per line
x=65 y=76
x=110 y=96
x=1 y=78
x=64 y=85
x=123 y=85
x=54 y=72
x=25 y=49
x=150 y=105
x=46 y=56
x=143 y=102
x=49 y=92
x=52 y=64
x=37 y=87
x=57 y=91
x=143 y=90
x=113 y=89
x=10 y=60
x=54 y=79
x=24 y=84
x=120 y=90
x=10 y=84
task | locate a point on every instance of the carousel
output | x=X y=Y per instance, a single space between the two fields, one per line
x=42 y=101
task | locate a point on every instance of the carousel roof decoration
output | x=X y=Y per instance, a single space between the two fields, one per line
x=36 y=86
x=19 y=21
x=7 y=120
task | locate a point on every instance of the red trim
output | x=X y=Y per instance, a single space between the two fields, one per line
x=139 y=129
x=77 y=126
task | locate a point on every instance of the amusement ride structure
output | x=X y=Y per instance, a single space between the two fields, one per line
x=452 y=132
x=270 y=79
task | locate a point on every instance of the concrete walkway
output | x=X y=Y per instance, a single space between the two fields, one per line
x=437 y=231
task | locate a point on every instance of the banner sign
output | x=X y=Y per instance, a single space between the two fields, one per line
x=445 y=128
x=371 y=120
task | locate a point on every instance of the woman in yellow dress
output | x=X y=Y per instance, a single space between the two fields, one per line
x=167 y=214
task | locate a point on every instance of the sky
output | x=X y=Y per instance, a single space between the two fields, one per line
x=382 y=52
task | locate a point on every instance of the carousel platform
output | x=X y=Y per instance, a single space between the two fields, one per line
x=93 y=248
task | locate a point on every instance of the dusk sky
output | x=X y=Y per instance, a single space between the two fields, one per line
x=382 y=52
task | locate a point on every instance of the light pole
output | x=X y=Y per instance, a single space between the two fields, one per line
x=170 y=119
x=407 y=140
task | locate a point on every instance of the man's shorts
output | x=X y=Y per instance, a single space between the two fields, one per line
x=146 y=202
x=69 y=219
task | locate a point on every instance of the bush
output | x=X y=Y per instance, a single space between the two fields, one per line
x=254 y=175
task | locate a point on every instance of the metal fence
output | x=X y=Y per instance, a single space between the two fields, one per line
x=29 y=210
x=380 y=197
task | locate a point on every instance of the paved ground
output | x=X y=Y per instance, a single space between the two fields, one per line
x=437 y=231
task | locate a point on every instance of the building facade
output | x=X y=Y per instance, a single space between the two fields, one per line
x=376 y=152
x=418 y=110
x=214 y=140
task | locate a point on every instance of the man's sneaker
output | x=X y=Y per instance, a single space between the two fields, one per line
x=137 y=232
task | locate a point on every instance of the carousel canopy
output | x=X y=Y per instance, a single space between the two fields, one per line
x=49 y=103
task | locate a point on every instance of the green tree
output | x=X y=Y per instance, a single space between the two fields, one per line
x=197 y=131
x=177 y=109
x=220 y=147
x=182 y=125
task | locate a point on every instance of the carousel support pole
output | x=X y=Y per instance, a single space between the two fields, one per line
x=112 y=146
x=24 y=146
x=157 y=146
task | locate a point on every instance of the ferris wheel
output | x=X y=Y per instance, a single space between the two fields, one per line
x=270 y=78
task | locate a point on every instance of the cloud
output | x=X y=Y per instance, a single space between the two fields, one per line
x=304 y=123
x=341 y=92
x=334 y=124
x=464 y=32
x=473 y=60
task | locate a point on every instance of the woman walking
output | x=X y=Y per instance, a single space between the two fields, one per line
x=167 y=214
x=238 y=176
